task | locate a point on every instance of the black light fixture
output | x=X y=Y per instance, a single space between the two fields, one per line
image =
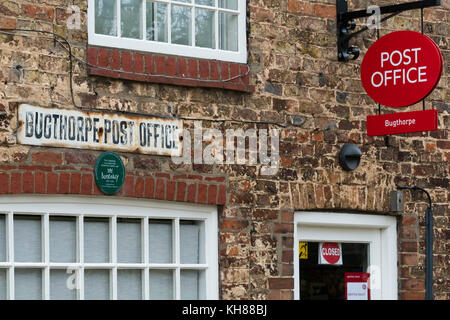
x=349 y=157
x=428 y=243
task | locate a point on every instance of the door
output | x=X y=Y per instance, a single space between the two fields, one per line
x=367 y=245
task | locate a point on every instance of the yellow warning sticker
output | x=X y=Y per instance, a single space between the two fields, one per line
x=303 y=250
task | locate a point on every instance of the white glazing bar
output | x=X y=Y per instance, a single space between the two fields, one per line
x=216 y=25
x=177 y=260
x=193 y=26
x=113 y=256
x=46 y=252
x=118 y=13
x=145 y=259
x=80 y=252
x=144 y=19
x=169 y=23
x=10 y=253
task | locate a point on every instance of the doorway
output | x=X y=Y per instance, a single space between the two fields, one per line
x=368 y=244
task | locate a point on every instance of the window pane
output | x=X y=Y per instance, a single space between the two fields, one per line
x=161 y=284
x=160 y=238
x=204 y=29
x=228 y=4
x=129 y=284
x=228 y=28
x=2 y=238
x=205 y=2
x=27 y=238
x=106 y=17
x=181 y=25
x=192 y=285
x=62 y=285
x=63 y=245
x=3 y=284
x=191 y=245
x=96 y=240
x=28 y=284
x=130 y=19
x=96 y=285
x=157 y=22
x=129 y=240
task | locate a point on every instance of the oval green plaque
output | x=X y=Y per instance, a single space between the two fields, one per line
x=109 y=172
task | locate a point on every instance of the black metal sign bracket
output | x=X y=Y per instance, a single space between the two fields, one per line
x=346 y=23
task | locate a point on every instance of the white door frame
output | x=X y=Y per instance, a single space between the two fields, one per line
x=380 y=232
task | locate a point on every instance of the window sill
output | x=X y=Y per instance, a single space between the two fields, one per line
x=190 y=72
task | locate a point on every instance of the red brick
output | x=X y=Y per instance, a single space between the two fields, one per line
x=281 y=283
x=47 y=157
x=138 y=60
x=86 y=184
x=216 y=179
x=160 y=62
x=171 y=66
x=233 y=225
x=222 y=196
x=244 y=71
x=225 y=70
x=92 y=56
x=128 y=186
x=64 y=183
x=114 y=62
x=52 y=183
x=181 y=67
x=79 y=157
x=170 y=191
x=181 y=191
x=191 y=192
x=413 y=295
x=75 y=183
x=102 y=55
x=204 y=69
x=160 y=189
x=28 y=182
x=202 y=193
x=127 y=61
x=234 y=71
x=214 y=70
x=139 y=187
x=39 y=182
x=40 y=13
x=325 y=11
x=212 y=194
x=412 y=285
x=283 y=228
x=4 y=183
x=16 y=182
x=192 y=68
x=7 y=23
x=149 y=64
x=149 y=188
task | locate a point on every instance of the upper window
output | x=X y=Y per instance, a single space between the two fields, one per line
x=207 y=29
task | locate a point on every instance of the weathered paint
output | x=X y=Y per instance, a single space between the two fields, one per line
x=99 y=131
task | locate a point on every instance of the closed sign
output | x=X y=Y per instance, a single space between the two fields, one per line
x=330 y=253
x=401 y=68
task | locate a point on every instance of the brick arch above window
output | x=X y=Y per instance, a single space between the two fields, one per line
x=46 y=179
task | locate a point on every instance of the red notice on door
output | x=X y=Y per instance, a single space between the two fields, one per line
x=357 y=286
x=402 y=122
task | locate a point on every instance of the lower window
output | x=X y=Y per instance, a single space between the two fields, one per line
x=92 y=248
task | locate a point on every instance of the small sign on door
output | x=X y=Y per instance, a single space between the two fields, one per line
x=357 y=286
x=330 y=253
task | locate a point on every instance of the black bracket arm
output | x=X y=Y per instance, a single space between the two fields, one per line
x=345 y=23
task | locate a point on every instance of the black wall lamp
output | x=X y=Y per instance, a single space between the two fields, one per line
x=349 y=157
x=428 y=243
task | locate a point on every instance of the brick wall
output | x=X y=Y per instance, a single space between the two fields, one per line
x=295 y=81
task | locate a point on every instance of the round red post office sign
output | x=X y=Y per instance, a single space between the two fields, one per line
x=401 y=68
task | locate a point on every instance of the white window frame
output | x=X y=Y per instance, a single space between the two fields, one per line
x=99 y=206
x=173 y=49
x=379 y=232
